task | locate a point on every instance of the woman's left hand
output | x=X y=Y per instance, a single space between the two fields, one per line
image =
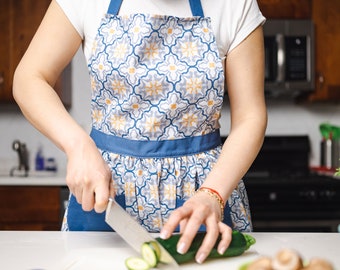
x=198 y=210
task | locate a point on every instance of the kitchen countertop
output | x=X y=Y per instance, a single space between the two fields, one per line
x=44 y=178
x=26 y=250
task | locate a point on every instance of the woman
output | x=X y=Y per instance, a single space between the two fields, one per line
x=157 y=81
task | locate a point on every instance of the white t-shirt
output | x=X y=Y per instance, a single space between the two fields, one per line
x=232 y=20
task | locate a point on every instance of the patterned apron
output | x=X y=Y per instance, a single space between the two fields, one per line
x=157 y=92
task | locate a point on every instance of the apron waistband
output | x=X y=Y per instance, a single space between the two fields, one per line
x=156 y=149
x=195 y=5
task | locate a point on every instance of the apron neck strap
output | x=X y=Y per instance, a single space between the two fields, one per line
x=196 y=8
x=195 y=5
x=114 y=7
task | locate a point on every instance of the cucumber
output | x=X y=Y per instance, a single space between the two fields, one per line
x=136 y=263
x=150 y=254
x=239 y=244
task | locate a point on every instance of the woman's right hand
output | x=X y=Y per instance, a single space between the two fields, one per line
x=88 y=177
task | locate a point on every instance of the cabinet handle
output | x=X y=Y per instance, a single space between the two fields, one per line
x=321 y=80
x=2 y=78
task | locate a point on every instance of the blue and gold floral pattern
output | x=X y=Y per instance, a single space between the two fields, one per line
x=156 y=77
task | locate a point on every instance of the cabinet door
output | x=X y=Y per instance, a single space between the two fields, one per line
x=30 y=208
x=286 y=9
x=326 y=16
x=19 y=22
x=5 y=77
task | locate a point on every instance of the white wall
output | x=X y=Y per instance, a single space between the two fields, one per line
x=14 y=126
x=285 y=118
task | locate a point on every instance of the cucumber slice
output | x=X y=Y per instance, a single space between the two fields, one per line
x=136 y=263
x=149 y=254
x=157 y=249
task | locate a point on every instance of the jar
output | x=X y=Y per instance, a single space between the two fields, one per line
x=335 y=154
x=330 y=154
x=326 y=153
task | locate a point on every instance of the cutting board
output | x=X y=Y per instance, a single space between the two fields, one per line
x=113 y=259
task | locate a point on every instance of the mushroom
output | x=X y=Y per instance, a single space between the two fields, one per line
x=318 y=264
x=287 y=259
x=262 y=263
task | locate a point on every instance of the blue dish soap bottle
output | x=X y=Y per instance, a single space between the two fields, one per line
x=39 y=160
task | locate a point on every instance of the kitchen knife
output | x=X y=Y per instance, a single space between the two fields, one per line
x=133 y=233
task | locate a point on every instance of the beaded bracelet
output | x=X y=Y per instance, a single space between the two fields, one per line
x=213 y=193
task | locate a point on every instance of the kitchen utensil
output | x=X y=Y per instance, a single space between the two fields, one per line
x=133 y=233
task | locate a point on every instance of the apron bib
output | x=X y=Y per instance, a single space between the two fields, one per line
x=157 y=92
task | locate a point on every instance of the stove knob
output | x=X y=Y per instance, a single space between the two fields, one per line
x=272 y=196
x=308 y=194
x=312 y=194
x=327 y=194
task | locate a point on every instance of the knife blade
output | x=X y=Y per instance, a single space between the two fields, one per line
x=133 y=233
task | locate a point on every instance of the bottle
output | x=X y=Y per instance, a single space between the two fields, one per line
x=51 y=165
x=39 y=160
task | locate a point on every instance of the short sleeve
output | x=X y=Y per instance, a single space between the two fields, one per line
x=250 y=19
x=85 y=16
x=233 y=21
x=74 y=10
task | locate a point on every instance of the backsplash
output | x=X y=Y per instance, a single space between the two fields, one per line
x=284 y=118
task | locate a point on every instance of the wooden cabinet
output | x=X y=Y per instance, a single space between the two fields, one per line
x=286 y=9
x=19 y=21
x=5 y=84
x=326 y=18
x=30 y=208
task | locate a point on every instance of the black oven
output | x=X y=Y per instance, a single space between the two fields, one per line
x=285 y=196
x=295 y=205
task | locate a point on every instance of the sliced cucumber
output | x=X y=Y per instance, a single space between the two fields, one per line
x=136 y=263
x=156 y=247
x=149 y=253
